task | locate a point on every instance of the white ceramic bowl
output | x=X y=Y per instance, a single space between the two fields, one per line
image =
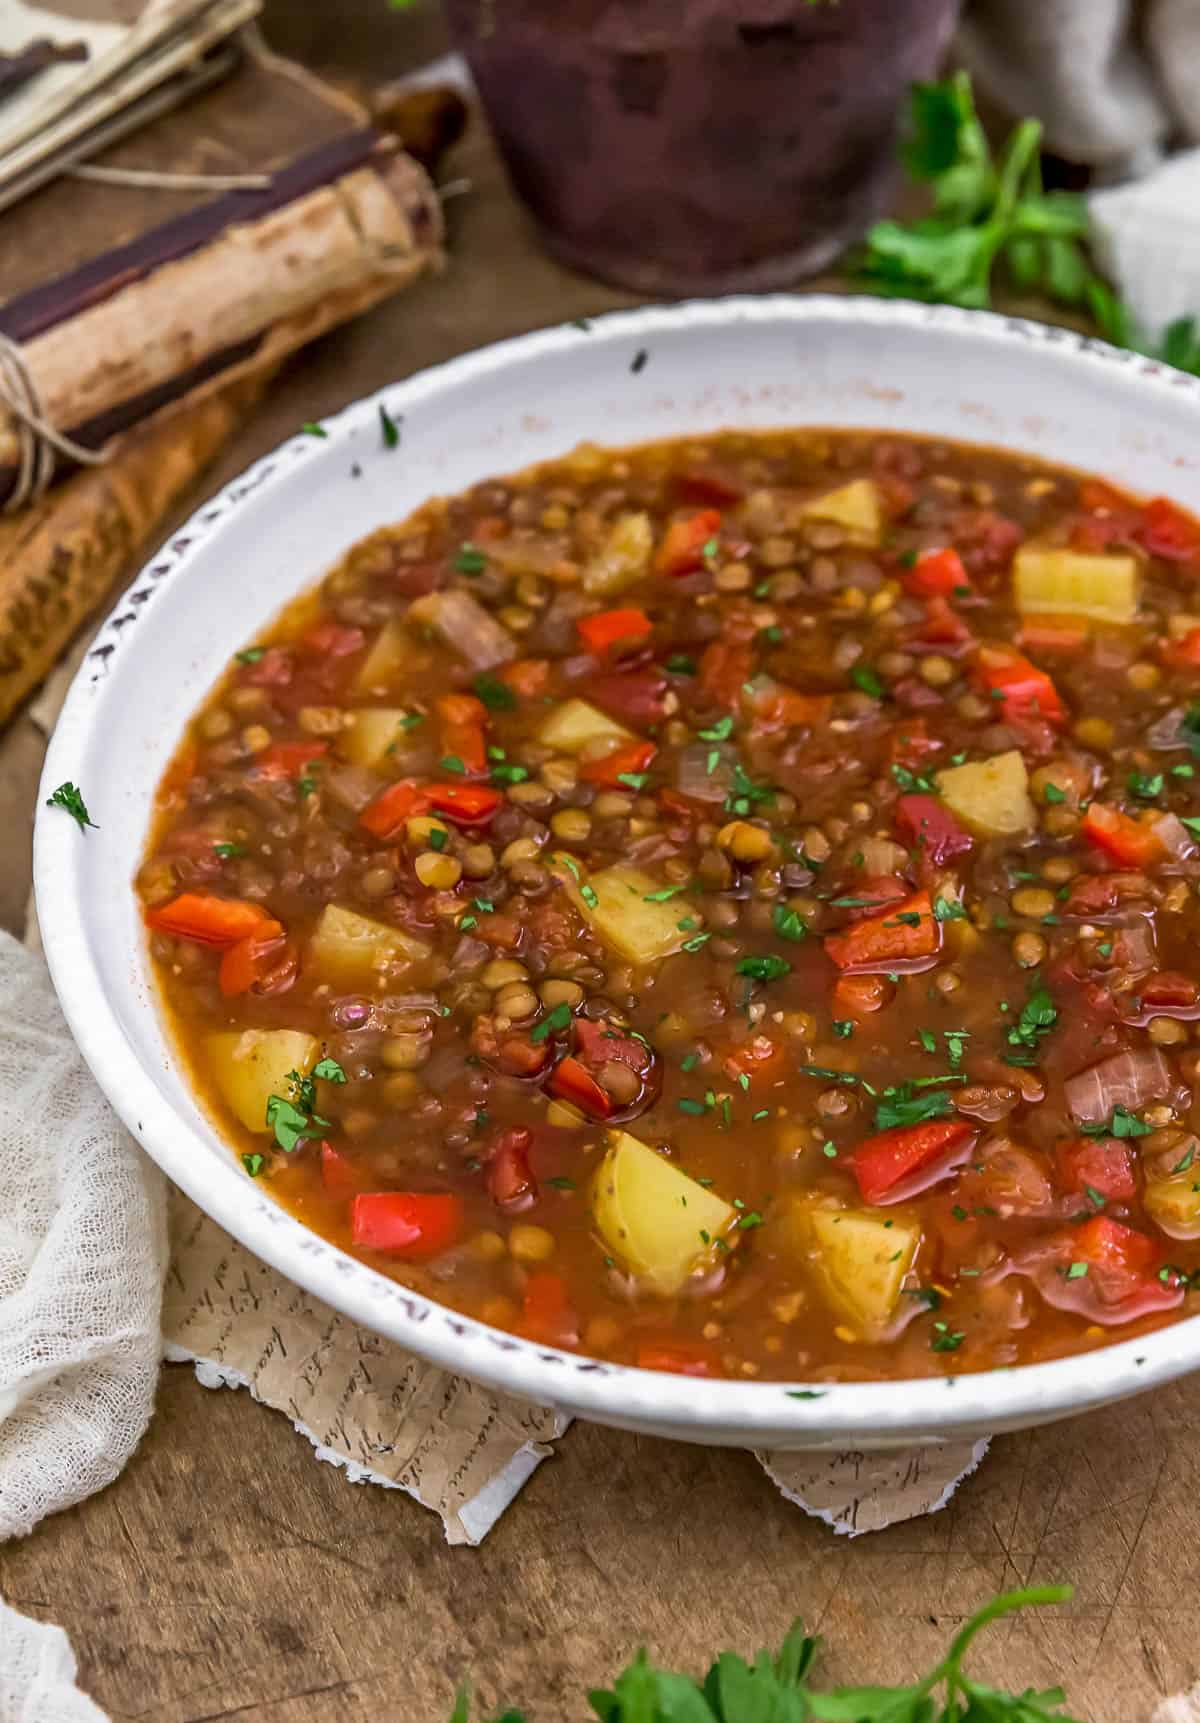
x=635 y=375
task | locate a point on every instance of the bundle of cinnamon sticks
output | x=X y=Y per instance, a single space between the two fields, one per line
x=153 y=318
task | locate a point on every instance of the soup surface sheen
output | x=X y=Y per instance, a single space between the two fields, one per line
x=726 y=905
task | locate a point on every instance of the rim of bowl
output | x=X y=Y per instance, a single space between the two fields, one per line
x=740 y=1409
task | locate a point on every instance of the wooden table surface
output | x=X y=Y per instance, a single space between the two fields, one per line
x=227 y=1574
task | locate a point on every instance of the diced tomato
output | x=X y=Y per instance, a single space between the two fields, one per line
x=248 y=961
x=894 y=1157
x=465 y=804
x=1105 y=1243
x=633 y=758
x=385 y=816
x=1018 y=687
x=906 y=931
x=752 y=1059
x=330 y=640
x=406 y=1223
x=1102 y=893
x=510 y=1181
x=985 y=539
x=1184 y=652
x=773 y=703
x=860 y=995
x=1052 y=634
x=288 y=759
x=707 y=487
x=725 y=665
x=527 y=677
x=682 y=548
x=1133 y=843
x=606 y=629
x=1168 y=990
x=637 y=696
x=463 y=727
x=546 y=1313
x=925 y=823
x=1170 y=533
x=911 y=744
x=272 y=670
x=1100 y=1164
x=207 y=920
x=598 y=1042
x=943 y=627
x=936 y=573
x=678 y=1357
x=339 y=1175
x=571 y=1081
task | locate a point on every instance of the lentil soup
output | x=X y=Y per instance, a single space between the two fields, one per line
x=727 y=905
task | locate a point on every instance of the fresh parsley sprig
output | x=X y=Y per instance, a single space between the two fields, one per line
x=776 y=1688
x=992 y=212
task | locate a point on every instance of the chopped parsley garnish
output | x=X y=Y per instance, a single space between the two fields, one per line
x=1038 y=1016
x=1075 y=1270
x=250 y=654
x=947 y=909
x=227 y=851
x=1053 y=794
x=906 y=1104
x=253 y=1163
x=469 y=560
x=1145 y=787
x=634 y=780
x=311 y=429
x=788 y=923
x=679 y=664
x=929 y=1296
x=667 y=892
x=768 y=968
x=560 y=1183
x=1122 y=1124
x=865 y=678
x=295 y=1120
x=497 y=696
x=718 y=732
x=944 y=1340
x=745 y=791
x=388 y=427
x=437 y=838
x=509 y=774
x=843 y=1026
x=452 y=763
x=552 y=1023
x=697 y=1109
x=329 y=1071
x=71 y=801
x=910 y=781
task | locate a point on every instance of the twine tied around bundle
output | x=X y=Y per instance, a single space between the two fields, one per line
x=38 y=441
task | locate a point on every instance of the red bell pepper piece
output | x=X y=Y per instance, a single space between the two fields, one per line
x=708 y=487
x=682 y=549
x=510 y=1181
x=678 y=1357
x=772 y=703
x=1100 y=1164
x=629 y=760
x=936 y=574
x=1184 y=652
x=1047 y=634
x=463 y=720
x=905 y=930
x=925 y=823
x=1019 y=688
x=943 y=626
x=1107 y=1244
x=288 y=759
x=1169 y=990
x=385 y=816
x=406 y=1223
x=1168 y=532
x=208 y=920
x=911 y=745
x=571 y=1081
x=1133 y=843
x=724 y=666
x=247 y=962
x=465 y=804
x=546 y=1314
x=605 y=629
x=885 y=1161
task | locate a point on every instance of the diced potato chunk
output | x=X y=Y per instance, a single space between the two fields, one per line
x=659 y=1223
x=1075 y=583
x=353 y=950
x=375 y=735
x=858 y=1258
x=854 y=506
x=391 y=657
x=616 y=901
x=623 y=558
x=251 y=1065
x=990 y=797
x=576 y=724
x=1174 y=1204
